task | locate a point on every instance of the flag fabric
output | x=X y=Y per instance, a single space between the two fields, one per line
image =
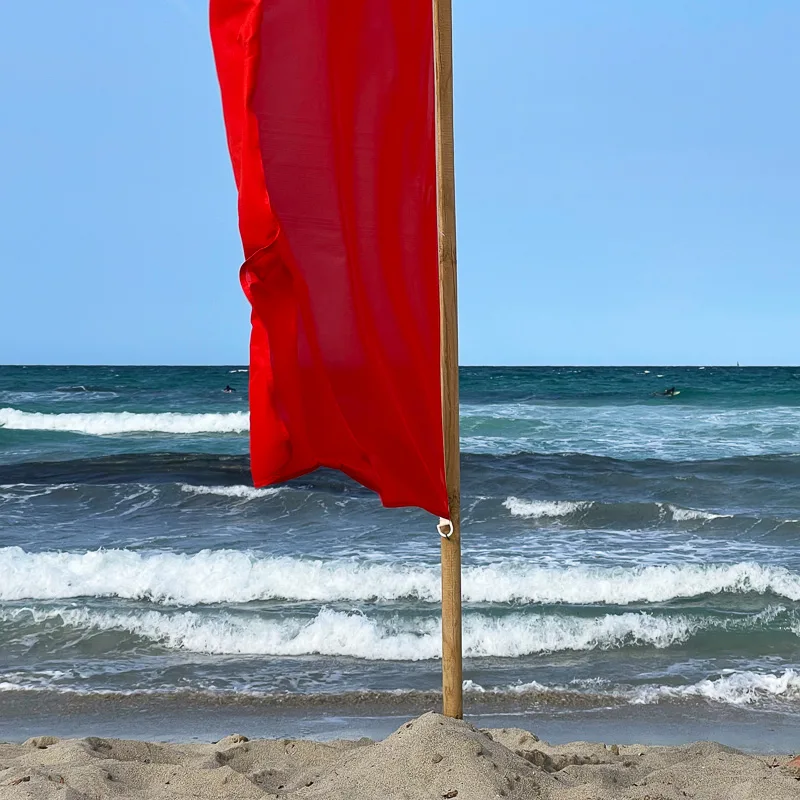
x=329 y=108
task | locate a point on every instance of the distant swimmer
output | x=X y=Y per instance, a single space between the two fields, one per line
x=671 y=392
x=228 y=390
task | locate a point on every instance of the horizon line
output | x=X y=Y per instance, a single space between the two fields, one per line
x=649 y=365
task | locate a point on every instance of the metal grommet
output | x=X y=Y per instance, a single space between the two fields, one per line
x=445 y=528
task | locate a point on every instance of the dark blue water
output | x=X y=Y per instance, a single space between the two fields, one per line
x=620 y=547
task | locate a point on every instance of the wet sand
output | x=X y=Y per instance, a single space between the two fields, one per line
x=198 y=717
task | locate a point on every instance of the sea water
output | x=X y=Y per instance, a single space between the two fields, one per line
x=621 y=548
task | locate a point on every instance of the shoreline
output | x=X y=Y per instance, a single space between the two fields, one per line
x=427 y=757
x=183 y=718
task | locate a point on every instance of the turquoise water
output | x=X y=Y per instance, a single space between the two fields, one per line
x=621 y=548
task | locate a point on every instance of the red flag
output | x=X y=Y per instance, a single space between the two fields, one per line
x=329 y=108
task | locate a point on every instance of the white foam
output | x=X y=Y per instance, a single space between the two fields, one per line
x=538 y=509
x=734 y=688
x=631 y=432
x=731 y=688
x=552 y=509
x=23 y=685
x=233 y=576
x=692 y=514
x=237 y=370
x=57 y=395
x=21 y=492
x=110 y=423
x=40 y=680
x=337 y=633
x=238 y=492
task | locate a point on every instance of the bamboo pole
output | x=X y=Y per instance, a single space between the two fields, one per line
x=448 y=308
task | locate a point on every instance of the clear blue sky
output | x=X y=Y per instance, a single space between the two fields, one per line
x=628 y=183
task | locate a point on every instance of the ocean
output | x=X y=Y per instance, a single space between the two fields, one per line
x=628 y=557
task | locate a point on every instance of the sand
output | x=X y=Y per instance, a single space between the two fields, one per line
x=428 y=758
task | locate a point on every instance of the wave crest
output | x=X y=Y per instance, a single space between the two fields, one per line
x=235 y=492
x=538 y=509
x=107 y=423
x=234 y=576
x=355 y=635
x=592 y=511
x=734 y=688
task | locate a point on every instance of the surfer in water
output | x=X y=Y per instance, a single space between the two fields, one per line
x=228 y=390
x=671 y=392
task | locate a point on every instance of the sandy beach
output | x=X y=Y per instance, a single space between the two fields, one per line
x=426 y=758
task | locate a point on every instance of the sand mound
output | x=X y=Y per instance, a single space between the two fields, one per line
x=426 y=759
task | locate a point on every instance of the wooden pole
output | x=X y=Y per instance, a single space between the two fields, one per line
x=448 y=308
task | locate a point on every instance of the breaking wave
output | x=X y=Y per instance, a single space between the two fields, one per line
x=606 y=512
x=688 y=514
x=108 y=423
x=236 y=492
x=234 y=576
x=338 y=633
x=537 y=509
x=734 y=688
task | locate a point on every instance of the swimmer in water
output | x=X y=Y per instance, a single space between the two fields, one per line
x=228 y=390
